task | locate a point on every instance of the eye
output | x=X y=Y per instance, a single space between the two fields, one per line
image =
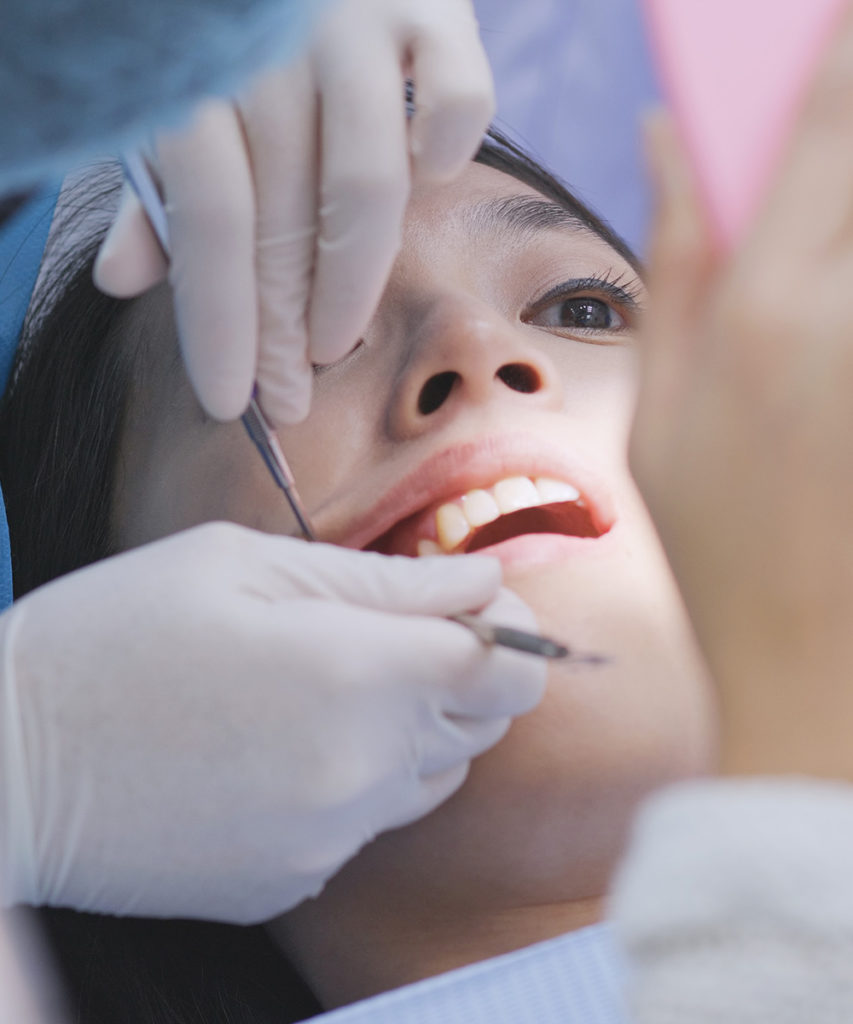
x=587 y=306
x=581 y=313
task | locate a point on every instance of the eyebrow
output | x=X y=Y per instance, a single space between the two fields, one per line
x=525 y=215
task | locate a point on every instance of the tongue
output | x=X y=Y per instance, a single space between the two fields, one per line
x=566 y=518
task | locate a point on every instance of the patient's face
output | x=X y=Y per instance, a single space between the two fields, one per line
x=499 y=373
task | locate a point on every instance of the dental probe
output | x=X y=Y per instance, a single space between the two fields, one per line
x=521 y=640
x=262 y=433
x=258 y=427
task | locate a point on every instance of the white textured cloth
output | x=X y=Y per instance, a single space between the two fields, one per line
x=574 y=979
x=735 y=904
x=77 y=76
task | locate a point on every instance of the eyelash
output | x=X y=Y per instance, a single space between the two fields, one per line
x=620 y=293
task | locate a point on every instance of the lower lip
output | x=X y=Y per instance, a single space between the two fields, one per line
x=537 y=549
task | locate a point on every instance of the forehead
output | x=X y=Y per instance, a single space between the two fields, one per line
x=485 y=204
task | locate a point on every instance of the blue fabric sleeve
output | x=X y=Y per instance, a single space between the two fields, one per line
x=21 y=246
x=83 y=78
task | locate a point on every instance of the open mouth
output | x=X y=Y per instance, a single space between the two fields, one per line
x=512 y=507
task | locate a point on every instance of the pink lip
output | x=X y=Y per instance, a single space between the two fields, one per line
x=453 y=471
x=536 y=549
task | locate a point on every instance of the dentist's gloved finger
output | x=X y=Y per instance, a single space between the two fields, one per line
x=508 y=609
x=504 y=681
x=280 y=121
x=409 y=804
x=426 y=586
x=454 y=98
x=444 y=766
x=285 y=380
x=405 y=586
x=210 y=204
x=501 y=683
x=130 y=260
x=364 y=187
x=458 y=739
x=460 y=676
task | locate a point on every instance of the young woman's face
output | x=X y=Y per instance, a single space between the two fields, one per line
x=498 y=371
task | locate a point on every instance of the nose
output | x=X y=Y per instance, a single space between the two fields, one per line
x=462 y=353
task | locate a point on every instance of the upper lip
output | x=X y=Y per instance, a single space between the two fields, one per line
x=453 y=471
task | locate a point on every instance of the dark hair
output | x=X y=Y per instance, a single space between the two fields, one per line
x=62 y=414
x=60 y=426
x=124 y=970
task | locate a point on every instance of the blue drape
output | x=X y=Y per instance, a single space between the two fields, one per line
x=572 y=78
x=22 y=241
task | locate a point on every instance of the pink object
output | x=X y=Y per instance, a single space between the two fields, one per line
x=735 y=73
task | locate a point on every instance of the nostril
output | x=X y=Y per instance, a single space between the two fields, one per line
x=520 y=377
x=434 y=393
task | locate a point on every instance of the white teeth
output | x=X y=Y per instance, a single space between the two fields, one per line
x=516 y=492
x=451 y=526
x=480 y=508
x=555 y=490
x=456 y=519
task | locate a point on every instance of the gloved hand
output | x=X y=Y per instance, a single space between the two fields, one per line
x=29 y=993
x=742 y=439
x=285 y=210
x=211 y=725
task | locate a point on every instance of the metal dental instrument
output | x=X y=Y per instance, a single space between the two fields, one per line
x=263 y=436
x=521 y=640
x=262 y=433
x=258 y=427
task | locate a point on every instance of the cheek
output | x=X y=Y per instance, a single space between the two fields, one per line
x=210 y=474
x=600 y=384
x=338 y=434
x=179 y=473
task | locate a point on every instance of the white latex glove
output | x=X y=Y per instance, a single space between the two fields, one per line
x=211 y=725
x=285 y=210
x=29 y=991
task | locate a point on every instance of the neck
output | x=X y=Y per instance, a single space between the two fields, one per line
x=346 y=953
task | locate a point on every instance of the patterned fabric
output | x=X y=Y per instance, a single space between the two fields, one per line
x=575 y=979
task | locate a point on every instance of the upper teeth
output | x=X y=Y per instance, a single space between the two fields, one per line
x=456 y=519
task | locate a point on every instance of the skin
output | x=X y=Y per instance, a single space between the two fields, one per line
x=758 y=388
x=525 y=849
